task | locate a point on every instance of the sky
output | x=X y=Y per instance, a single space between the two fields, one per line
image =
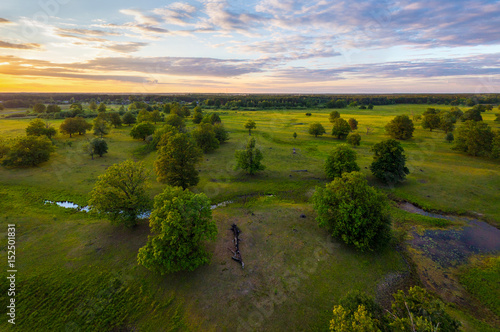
x=263 y=46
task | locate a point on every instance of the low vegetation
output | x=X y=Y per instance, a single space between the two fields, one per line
x=290 y=262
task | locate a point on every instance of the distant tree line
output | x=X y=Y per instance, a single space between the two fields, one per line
x=233 y=101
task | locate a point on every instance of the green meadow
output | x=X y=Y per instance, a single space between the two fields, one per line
x=80 y=273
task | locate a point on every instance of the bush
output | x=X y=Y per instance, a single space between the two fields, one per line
x=401 y=127
x=354 y=139
x=417 y=311
x=420 y=304
x=28 y=151
x=449 y=137
x=96 y=146
x=353 y=211
x=341 y=159
x=389 y=162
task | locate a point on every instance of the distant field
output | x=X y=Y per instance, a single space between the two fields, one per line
x=66 y=256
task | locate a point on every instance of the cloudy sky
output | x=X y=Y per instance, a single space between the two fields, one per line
x=270 y=46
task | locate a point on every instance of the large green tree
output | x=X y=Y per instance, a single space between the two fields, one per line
x=39 y=108
x=161 y=135
x=340 y=128
x=472 y=114
x=38 y=127
x=100 y=126
x=52 y=108
x=249 y=159
x=156 y=116
x=181 y=222
x=120 y=193
x=142 y=130
x=93 y=106
x=342 y=159
x=431 y=121
x=475 y=138
x=75 y=125
x=205 y=138
x=101 y=108
x=334 y=115
x=25 y=151
x=353 y=211
x=129 y=118
x=316 y=129
x=389 y=162
x=175 y=121
x=115 y=119
x=177 y=160
x=401 y=127
x=144 y=116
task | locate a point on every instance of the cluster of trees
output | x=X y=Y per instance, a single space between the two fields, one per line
x=180 y=220
x=341 y=128
x=348 y=207
x=416 y=311
x=445 y=120
x=477 y=139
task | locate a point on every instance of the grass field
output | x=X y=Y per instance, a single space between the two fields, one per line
x=79 y=273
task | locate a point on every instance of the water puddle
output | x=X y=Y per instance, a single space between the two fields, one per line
x=452 y=247
x=69 y=205
x=145 y=215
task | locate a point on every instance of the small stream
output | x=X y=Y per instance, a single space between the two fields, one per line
x=453 y=246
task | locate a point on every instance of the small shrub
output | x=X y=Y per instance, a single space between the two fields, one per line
x=354 y=139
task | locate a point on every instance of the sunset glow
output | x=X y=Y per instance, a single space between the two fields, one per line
x=250 y=47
